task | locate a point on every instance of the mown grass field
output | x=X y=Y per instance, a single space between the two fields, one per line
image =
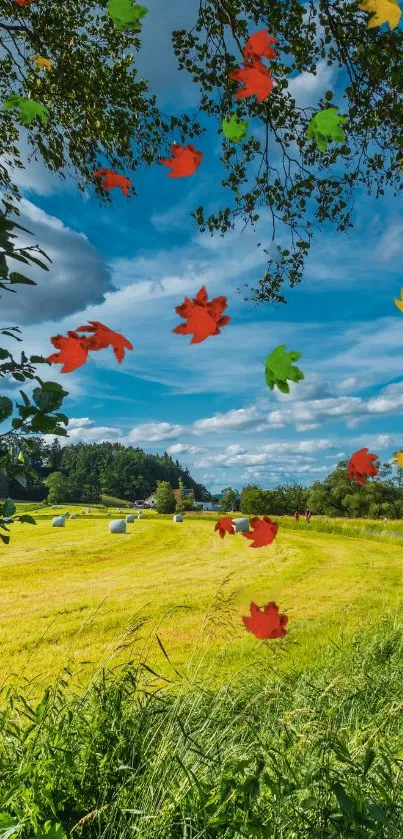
x=69 y=596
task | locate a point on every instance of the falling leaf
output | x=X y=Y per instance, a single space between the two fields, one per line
x=125 y=15
x=234 y=130
x=399 y=303
x=279 y=369
x=361 y=466
x=23 y=2
x=41 y=62
x=28 y=109
x=258 y=45
x=112 y=179
x=264 y=532
x=184 y=161
x=73 y=351
x=203 y=318
x=387 y=11
x=265 y=621
x=104 y=337
x=225 y=525
x=255 y=78
x=398 y=461
x=325 y=124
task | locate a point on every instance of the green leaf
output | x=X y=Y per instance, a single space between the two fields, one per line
x=25 y=398
x=6 y=408
x=6 y=540
x=279 y=369
x=125 y=15
x=26 y=518
x=15 y=278
x=346 y=803
x=54 y=831
x=28 y=109
x=234 y=130
x=324 y=125
x=47 y=400
x=9 y=508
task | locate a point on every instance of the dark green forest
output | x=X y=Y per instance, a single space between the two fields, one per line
x=85 y=471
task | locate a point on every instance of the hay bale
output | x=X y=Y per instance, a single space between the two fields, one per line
x=140 y=516
x=66 y=515
x=178 y=517
x=130 y=518
x=73 y=516
x=58 y=521
x=117 y=526
x=241 y=525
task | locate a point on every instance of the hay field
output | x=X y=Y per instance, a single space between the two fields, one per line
x=69 y=595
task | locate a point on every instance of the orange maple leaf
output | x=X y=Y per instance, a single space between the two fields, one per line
x=266 y=622
x=203 y=318
x=73 y=351
x=22 y=2
x=112 y=179
x=184 y=161
x=104 y=337
x=361 y=466
x=259 y=44
x=225 y=525
x=263 y=532
x=255 y=78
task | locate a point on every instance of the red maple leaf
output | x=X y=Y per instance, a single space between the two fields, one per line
x=361 y=466
x=259 y=44
x=255 y=78
x=73 y=351
x=265 y=621
x=112 y=179
x=263 y=532
x=22 y=2
x=104 y=337
x=184 y=161
x=203 y=318
x=225 y=525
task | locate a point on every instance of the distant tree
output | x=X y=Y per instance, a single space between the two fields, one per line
x=165 y=501
x=253 y=501
x=57 y=485
x=230 y=500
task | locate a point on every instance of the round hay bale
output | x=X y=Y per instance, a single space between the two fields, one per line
x=241 y=525
x=130 y=518
x=73 y=516
x=140 y=516
x=117 y=526
x=58 y=521
x=178 y=517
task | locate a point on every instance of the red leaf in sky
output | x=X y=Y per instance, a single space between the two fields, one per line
x=263 y=532
x=266 y=622
x=361 y=466
x=73 y=351
x=255 y=78
x=203 y=318
x=225 y=525
x=112 y=179
x=259 y=44
x=184 y=161
x=104 y=337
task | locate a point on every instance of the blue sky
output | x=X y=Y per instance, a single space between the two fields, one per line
x=208 y=405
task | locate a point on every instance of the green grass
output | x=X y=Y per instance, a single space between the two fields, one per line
x=69 y=595
x=317 y=755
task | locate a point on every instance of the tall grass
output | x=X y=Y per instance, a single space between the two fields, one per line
x=301 y=756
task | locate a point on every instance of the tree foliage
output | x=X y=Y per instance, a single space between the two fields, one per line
x=165 y=501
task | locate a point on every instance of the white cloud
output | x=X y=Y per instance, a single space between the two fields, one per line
x=153 y=432
x=180 y=448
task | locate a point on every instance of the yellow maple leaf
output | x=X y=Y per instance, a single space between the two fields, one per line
x=387 y=11
x=399 y=303
x=42 y=63
x=398 y=459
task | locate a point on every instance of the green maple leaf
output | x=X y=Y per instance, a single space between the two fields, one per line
x=28 y=109
x=235 y=130
x=279 y=368
x=325 y=125
x=125 y=15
